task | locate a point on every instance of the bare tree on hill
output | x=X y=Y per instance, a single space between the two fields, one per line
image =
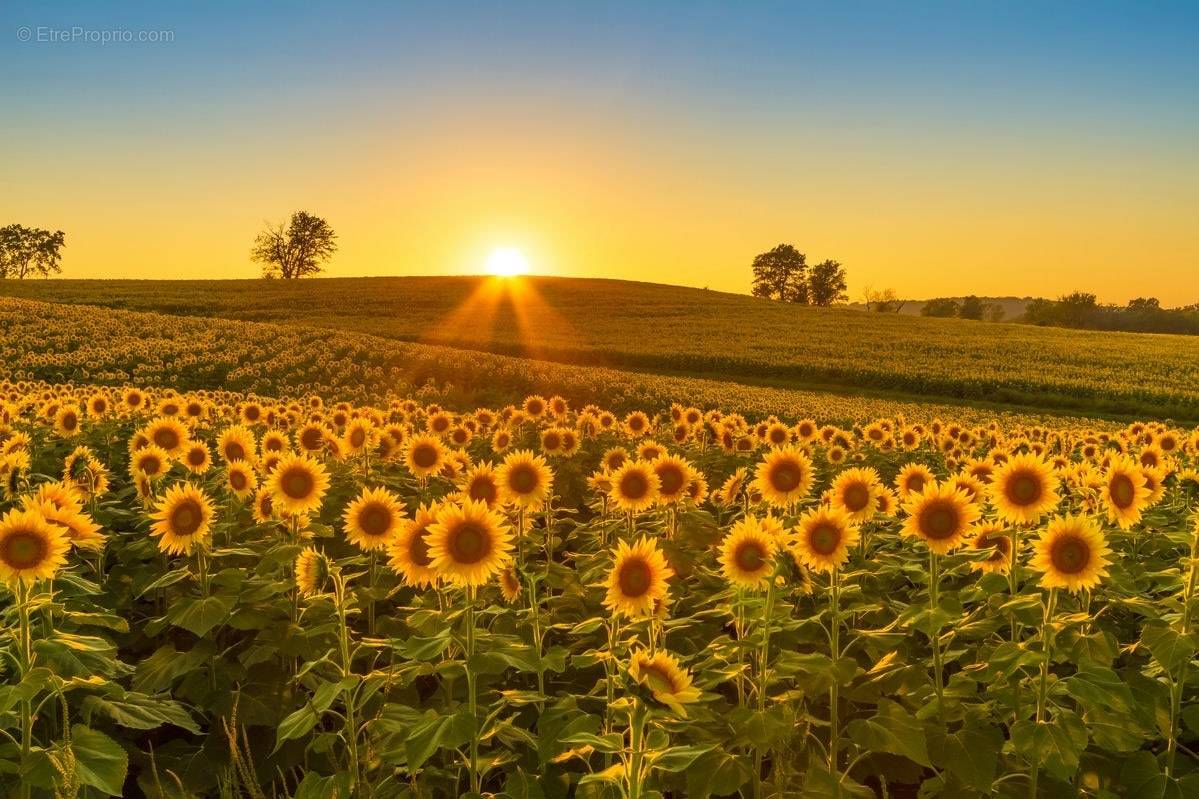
x=297 y=249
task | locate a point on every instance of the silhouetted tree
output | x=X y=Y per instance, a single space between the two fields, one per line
x=826 y=283
x=781 y=274
x=26 y=251
x=885 y=301
x=972 y=308
x=941 y=307
x=296 y=249
x=1143 y=304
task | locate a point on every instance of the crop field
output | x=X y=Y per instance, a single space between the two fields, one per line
x=283 y=560
x=704 y=334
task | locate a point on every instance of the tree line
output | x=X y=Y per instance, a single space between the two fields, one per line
x=784 y=274
x=1083 y=310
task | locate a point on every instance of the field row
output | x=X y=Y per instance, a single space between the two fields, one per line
x=210 y=594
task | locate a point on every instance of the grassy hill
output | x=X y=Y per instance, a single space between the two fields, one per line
x=690 y=332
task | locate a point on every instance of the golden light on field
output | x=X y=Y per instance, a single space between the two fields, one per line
x=507 y=262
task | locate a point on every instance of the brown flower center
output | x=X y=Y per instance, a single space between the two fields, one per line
x=786 y=476
x=856 y=497
x=23 y=550
x=374 y=519
x=938 y=521
x=824 y=538
x=469 y=543
x=1070 y=554
x=1023 y=488
x=186 y=518
x=1122 y=491
x=635 y=578
x=297 y=483
x=634 y=485
x=750 y=556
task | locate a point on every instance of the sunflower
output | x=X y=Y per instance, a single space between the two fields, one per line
x=996 y=540
x=240 y=479
x=525 y=480
x=373 y=519
x=312 y=570
x=669 y=682
x=67 y=421
x=424 y=455
x=636 y=424
x=912 y=478
x=747 y=554
x=168 y=433
x=359 y=436
x=1024 y=489
x=31 y=548
x=298 y=484
x=822 y=538
x=1071 y=554
x=1125 y=493
x=410 y=549
x=509 y=585
x=480 y=484
x=150 y=461
x=836 y=454
x=237 y=444
x=534 y=406
x=674 y=475
x=183 y=518
x=311 y=438
x=784 y=476
x=634 y=486
x=638 y=578
x=197 y=458
x=941 y=516
x=730 y=491
x=614 y=458
x=264 y=506
x=856 y=491
x=468 y=543
x=78 y=527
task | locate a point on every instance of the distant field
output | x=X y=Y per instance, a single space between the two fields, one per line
x=691 y=332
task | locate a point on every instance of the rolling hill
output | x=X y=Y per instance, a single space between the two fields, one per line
x=675 y=331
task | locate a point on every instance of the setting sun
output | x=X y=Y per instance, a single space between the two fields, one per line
x=507 y=262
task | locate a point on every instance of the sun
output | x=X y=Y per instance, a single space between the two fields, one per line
x=507 y=262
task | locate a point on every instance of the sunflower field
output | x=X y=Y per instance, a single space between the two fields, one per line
x=210 y=593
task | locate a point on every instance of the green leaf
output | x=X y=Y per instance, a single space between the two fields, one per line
x=1055 y=744
x=971 y=754
x=296 y=724
x=439 y=732
x=1169 y=648
x=892 y=729
x=424 y=649
x=678 y=758
x=717 y=773
x=137 y=711
x=100 y=762
x=612 y=742
x=1098 y=687
x=200 y=615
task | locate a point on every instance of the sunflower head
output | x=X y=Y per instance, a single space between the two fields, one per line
x=941 y=516
x=667 y=681
x=635 y=486
x=182 y=519
x=1024 y=489
x=856 y=491
x=469 y=543
x=996 y=541
x=638 y=578
x=424 y=455
x=298 y=484
x=1124 y=492
x=374 y=519
x=312 y=572
x=31 y=548
x=525 y=480
x=747 y=554
x=823 y=537
x=1071 y=553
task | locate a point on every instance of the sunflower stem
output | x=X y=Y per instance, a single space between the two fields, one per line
x=351 y=734
x=471 y=692
x=934 y=605
x=764 y=675
x=636 y=745
x=1043 y=687
x=26 y=655
x=834 y=721
x=1013 y=581
x=1177 y=685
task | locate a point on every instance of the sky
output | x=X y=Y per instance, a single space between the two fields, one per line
x=996 y=148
